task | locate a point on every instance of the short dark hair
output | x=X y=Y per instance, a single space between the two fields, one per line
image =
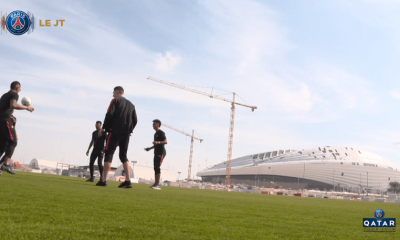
x=119 y=89
x=157 y=121
x=98 y=122
x=14 y=85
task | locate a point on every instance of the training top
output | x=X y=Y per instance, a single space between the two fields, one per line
x=159 y=149
x=121 y=117
x=5 y=109
x=98 y=141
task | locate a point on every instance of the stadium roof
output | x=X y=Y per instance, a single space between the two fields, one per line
x=318 y=154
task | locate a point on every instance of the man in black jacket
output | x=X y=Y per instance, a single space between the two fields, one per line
x=119 y=123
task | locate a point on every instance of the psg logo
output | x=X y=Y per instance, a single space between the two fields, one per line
x=18 y=22
x=379 y=214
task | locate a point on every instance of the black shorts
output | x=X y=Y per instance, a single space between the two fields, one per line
x=8 y=137
x=158 y=159
x=7 y=130
x=114 y=141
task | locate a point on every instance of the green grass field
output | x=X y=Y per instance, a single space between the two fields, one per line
x=38 y=206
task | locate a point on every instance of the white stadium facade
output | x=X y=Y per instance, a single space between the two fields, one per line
x=338 y=168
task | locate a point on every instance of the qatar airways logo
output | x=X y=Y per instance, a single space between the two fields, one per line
x=379 y=223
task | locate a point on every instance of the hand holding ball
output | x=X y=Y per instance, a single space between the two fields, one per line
x=26 y=101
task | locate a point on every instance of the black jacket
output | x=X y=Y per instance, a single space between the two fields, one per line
x=120 y=117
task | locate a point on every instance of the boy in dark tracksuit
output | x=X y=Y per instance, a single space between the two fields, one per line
x=98 y=139
x=159 y=152
x=119 y=123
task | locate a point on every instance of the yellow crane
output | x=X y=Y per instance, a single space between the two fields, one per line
x=232 y=118
x=191 y=146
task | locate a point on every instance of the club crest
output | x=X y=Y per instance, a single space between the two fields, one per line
x=18 y=22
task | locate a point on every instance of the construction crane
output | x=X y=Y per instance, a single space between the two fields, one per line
x=191 y=145
x=232 y=118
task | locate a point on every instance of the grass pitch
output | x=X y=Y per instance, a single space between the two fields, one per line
x=38 y=206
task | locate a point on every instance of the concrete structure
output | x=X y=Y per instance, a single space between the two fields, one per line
x=86 y=171
x=146 y=173
x=120 y=171
x=41 y=164
x=339 y=168
x=392 y=197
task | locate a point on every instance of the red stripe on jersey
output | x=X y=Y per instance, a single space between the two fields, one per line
x=108 y=140
x=162 y=158
x=110 y=105
x=9 y=130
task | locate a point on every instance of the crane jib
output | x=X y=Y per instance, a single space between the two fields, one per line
x=231 y=128
x=200 y=92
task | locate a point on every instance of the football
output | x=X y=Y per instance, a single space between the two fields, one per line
x=26 y=101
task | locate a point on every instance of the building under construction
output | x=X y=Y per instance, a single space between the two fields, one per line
x=337 y=168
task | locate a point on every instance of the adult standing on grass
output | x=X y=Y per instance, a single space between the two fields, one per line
x=3 y=144
x=119 y=123
x=98 y=139
x=159 y=152
x=8 y=136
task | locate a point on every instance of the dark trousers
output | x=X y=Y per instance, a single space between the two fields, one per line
x=114 y=141
x=2 y=151
x=158 y=159
x=93 y=156
x=8 y=138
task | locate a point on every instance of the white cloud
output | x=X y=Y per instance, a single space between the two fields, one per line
x=246 y=33
x=252 y=48
x=395 y=94
x=168 y=62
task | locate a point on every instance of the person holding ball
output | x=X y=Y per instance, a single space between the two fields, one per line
x=8 y=136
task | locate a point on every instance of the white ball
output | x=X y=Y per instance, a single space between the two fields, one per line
x=26 y=101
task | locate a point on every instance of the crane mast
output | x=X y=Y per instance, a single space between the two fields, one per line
x=191 y=156
x=230 y=143
x=232 y=120
x=191 y=146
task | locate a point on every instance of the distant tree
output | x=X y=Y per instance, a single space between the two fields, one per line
x=394 y=187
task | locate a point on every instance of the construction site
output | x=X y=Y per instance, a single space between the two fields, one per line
x=325 y=172
x=144 y=175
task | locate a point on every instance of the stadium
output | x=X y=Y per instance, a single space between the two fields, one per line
x=337 y=168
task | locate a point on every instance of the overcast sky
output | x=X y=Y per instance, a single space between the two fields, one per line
x=322 y=73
